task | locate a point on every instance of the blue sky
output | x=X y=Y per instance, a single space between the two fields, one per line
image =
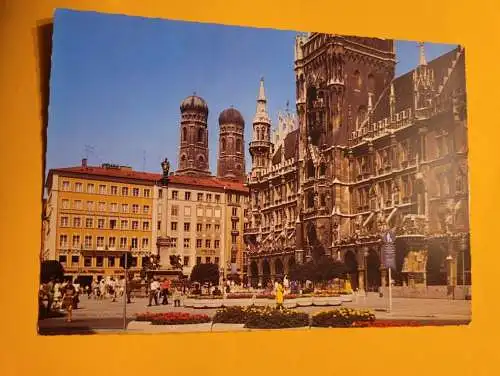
x=117 y=83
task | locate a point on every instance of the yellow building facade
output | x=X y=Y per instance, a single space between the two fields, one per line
x=94 y=214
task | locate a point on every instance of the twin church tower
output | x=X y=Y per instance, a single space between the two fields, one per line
x=193 y=150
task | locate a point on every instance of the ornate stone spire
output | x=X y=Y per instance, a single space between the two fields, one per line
x=422 y=60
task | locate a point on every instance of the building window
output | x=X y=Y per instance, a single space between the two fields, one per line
x=76 y=241
x=187 y=226
x=145 y=243
x=234 y=239
x=199 y=227
x=200 y=197
x=102 y=189
x=175 y=195
x=62 y=259
x=65 y=204
x=123 y=243
x=145 y=209
x=217 y=213
x=217 y=199
x=125 y=208
x=234 y=226
x=199 y=212
x=173 y=226
x=145 y=226
x=217 y=228
x=235 y=212
x=112 y=242
x=187 y=211
x=77 y=222
x=186 y=242
x=102 y=206
x=100 y=241
x=100 y=223
x=198 y=243
x=111 y=261
x=209 y=212
x=75 y=260
x=208 y=227
x=112 y=224
x=160 y=193
x=90 y=188
x=88 y=241
x=147 y=192
x=64 y=221
x=186 y=261
x=173 y=242
x=209 y=197
x=134 y=243
x=187 y=196
x=207 y=260
x=65 y=186
x=78 y=187
x=229 y=197
x=63 y=241
x=158 y=226
x=175 y=211
x=216 y=244
x=134 y=262
x=114 y=207
x=114 y=190
x=135 y=208
x=124 y=191
x=207 y=243
x=135 y=192
x=87 y=261
x=216 y=261
x=90 y=205
x=198 y=260
x=124 y=224
x=89 y=223
x=99 y=261
x=78 y=204
x=135 y=225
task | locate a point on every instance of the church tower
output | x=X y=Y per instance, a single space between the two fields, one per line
x=193 y=150
x=260 y=146
x=231 y=160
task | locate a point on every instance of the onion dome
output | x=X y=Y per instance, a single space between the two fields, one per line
x=231 y=116
x=194 y=103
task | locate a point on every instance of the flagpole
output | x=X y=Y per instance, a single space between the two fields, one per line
x=390 y=292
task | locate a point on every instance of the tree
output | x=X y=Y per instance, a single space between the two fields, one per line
x=205 y=273
x=51 y=269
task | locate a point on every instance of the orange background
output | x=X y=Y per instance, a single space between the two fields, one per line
x=428 y=351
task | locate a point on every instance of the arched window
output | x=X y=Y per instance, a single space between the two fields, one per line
x=310 y=169
x=356 y=80
x=184 y=134
x=371 y=83
x=322 y=169
x=360 y=116
x=238 y=146
x=200 y=135
x=223 y=145
x=183 y=158
x=201 y=159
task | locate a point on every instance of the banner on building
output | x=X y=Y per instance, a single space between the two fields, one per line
x=389 y=250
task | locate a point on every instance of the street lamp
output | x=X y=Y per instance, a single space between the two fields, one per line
x=366 y=269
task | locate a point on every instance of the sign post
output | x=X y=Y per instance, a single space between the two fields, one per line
x=389 y=257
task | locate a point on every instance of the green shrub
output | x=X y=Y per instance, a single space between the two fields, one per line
x=341 y=318
x=272 y=318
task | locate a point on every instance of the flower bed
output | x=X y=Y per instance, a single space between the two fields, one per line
x=230 y=315
x=172 y=318
x=261 y=317
x=198 y=297
x=343 y=318
x=242 y=295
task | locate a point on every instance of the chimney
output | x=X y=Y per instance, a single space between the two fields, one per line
x=84 y=162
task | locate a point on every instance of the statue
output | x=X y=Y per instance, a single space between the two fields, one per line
x=165 y=165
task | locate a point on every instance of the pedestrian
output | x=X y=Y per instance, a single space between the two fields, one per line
x=153 y=292
x=279 y=296
x=57 y=295
x=68 y=300
x=176 y=296
x=165 y=286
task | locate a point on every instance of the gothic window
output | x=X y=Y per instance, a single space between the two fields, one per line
x=201 y=159
x=238 y=146
x=184 y=134
x=183 y=158
x=238 y=167
x=310 y=199
x=310 y=169
x=360 y=116
x=223 y=145
x=371 y=83
x=323 y=200
x=322 y=169
x=460 y=183
x=356 y=80
x=200 y=135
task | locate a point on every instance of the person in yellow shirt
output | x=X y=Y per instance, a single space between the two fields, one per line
x=279 y=296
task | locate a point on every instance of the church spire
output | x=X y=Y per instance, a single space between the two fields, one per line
x=262 y=93
x=422 y=60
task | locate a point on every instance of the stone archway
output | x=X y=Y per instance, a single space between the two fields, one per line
x=291 y=263
x=372 y=271
x=266 y=272
x=254 y=273
x=436 y=272
x=351 y=264
x=279 y=269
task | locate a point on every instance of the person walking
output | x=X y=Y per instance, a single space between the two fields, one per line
x=68 y=300
x=165 y=286
x=153 y=292
x=279 y=296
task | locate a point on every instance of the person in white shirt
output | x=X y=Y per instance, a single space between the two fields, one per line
x=153 y=292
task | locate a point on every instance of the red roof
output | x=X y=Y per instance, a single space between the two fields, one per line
x=127 y=173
